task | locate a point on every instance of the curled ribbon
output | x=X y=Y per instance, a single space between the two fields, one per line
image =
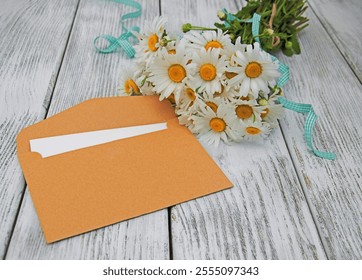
x=307 y=109
x=123 y=40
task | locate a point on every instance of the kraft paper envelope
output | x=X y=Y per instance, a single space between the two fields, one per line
x=89 y=188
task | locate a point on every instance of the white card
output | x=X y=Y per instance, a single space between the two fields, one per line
x=55 y=145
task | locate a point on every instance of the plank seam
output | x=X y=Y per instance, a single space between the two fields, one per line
x=334 y=41
x=15 y=221
x=170 y=248
x=169 y=221
x=62 y=59
x=300 y=180
x=45 y=116
x=303 y=190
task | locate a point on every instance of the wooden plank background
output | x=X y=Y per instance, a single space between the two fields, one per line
x=322 y=77
x=342 y=21
x=286 y=203
x=33 y=39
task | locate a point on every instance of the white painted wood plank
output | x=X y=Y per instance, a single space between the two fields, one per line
x=33 y=38
x=86 y=74
x=343 y=21
x=322 y=77
x=265 y=215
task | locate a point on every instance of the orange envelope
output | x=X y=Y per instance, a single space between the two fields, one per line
x=93 y=187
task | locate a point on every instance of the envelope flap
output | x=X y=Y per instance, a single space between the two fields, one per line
x=101 y=113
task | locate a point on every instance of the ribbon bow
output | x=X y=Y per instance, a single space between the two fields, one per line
x=123 y=40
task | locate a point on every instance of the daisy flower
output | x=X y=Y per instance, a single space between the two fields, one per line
x=189 y=97
x=215 y=126
x=271 y=114
x=149 y=42
x=210 y=101
x=252 y=131
x=255 y=71
x=247 y=110
x=209 y=68
x=128 y=82
x=169 y=72
x=208 y=40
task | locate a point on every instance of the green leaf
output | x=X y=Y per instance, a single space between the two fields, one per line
x=295 y=46
x=287 y=52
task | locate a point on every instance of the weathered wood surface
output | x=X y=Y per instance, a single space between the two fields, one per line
x=343 y=22
x=33 y=39
x=265 y=215
x=322 y=77
x=286 y=203
x=86 y=74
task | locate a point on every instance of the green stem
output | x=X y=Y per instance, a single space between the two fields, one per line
x=187 y=27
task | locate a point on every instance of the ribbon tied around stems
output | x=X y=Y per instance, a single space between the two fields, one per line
x=123 y=40
x=305 y=109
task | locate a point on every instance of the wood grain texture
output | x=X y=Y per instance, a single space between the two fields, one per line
x=320 y=76
x=343 y=22
x=33 y=38
x=86 y=74
x=265 y=215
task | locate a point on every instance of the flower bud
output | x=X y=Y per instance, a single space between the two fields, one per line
x=186 y=27
x=288 y=45
x=263 y=102
x=269 y=31
x=163 y=42
x=221 y=15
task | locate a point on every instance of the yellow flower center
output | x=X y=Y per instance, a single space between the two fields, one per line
x=230 y=75
x=176 y=72
x=190 y=94
x=213 y=44
x=208 y=72
x=130 y=86
x=171 y=51
x=253 y=130
x=245 y=98
x=212 y=105
x=217 y=124
x=264 y=113
x=244 y=111
x=152 y=41
x=253 y=70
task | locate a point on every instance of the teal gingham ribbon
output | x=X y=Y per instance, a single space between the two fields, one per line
x=123 y=40
x=255 y=23
x=305 y=109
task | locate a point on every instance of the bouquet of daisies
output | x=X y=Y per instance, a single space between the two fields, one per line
x=220 y=90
